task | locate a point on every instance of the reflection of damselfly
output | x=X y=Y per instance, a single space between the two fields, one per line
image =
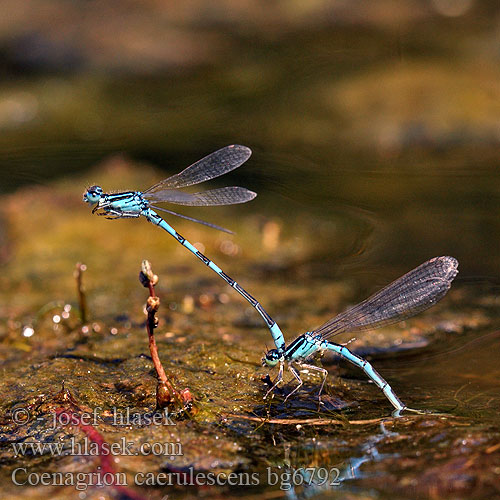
x=315 y=481
x=130 y=204
x=408 y=295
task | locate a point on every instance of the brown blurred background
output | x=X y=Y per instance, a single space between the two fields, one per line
x=377 y=123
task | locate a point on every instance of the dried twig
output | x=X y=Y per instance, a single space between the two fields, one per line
x=332 y=421
x=166 y=393
x=308 y=421
x=80 y=289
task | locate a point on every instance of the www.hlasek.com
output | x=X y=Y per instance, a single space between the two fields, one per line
x=87 y=447
x=320 y=477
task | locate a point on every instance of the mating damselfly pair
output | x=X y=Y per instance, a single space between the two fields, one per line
x=408 y=295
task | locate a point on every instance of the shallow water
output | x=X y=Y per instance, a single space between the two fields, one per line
x=443 y=361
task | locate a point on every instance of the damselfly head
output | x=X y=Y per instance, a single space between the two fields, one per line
x=271 y=358
x=93 y=195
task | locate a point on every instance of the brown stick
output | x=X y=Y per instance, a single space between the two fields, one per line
x=309 y=421
x=328 y=421
x=165 y=390
x=82 y=300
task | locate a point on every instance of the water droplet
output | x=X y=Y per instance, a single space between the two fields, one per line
x=28 y=331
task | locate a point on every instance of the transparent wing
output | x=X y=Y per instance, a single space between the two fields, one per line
x=209 y=224
x=408 y=295
x=215 y=164
x=221 y=196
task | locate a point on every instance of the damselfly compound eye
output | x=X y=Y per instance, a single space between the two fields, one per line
x=271 y=358
x=93 y=194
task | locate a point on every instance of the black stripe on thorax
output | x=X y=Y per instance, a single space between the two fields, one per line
x=296 y=344
x=120 y=196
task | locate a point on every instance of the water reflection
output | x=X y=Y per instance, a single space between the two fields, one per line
x=336 y=479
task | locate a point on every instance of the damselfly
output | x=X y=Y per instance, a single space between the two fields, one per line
x=408 y=295
x=135 y=203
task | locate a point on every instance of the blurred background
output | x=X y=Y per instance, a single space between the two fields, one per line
x=375 y=124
